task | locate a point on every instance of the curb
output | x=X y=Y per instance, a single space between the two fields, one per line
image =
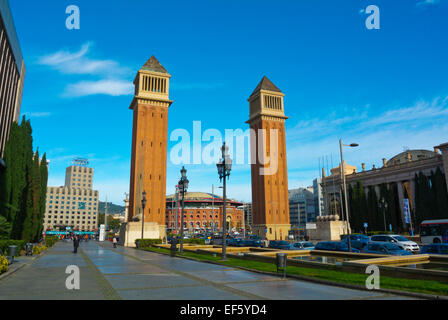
x=8 y=273
x=326 y=282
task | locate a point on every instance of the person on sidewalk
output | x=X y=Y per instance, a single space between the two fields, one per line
x=76 y=244
x=115 y=242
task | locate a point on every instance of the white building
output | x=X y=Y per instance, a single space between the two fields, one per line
x=74 y=205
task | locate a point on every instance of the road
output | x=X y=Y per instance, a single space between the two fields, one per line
x=127 y=273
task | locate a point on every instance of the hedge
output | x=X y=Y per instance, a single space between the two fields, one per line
x=194 y=241
x=4 y=245
x=144 y=243
x=50 y=240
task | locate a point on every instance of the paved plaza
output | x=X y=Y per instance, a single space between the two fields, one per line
x=127 y=273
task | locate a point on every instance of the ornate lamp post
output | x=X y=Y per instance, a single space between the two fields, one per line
x=143 y=213
x=183 y=186
x=224 y=166
x=345 y=191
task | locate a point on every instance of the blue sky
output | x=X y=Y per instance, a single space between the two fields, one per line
x=385 y=89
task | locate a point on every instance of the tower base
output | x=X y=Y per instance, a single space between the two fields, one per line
x=272 y=231
x=327 y=230
x=131 y=231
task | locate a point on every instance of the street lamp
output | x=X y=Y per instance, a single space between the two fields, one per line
x=143 y=213
x=224 y=166
x=183 y=186
x=347 y=220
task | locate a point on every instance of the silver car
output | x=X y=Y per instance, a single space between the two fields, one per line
x=400 y=241
x=302 y=245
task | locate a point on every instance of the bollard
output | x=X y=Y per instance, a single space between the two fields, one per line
x=281 y=263
x=173 y=247
x=12 y=253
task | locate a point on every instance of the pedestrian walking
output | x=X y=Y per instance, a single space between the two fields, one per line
x=114 y=240
x=75 y=244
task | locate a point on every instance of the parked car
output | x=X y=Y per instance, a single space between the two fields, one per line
x=385 y=248
x=251 y=243
x=279 y=244
x=400 y=241
x=302 y=245
x=334 y=246
x=435 y=248
x=357 y=241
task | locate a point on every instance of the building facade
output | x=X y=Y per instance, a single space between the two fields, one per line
x=301 y=207
x=12 y=74
x=270 y=204
x=149 y=144
x=203 y=212
x=248 y=218
x=74 y=205
x=319 y=204
x=392 y=187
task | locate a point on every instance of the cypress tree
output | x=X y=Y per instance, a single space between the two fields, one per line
x=43 y=170
x=439 y=192
x=35 y=194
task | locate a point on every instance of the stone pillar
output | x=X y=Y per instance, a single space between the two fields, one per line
x=444 y=149
x=400 y=201
x=377 y=191
x=412 y=183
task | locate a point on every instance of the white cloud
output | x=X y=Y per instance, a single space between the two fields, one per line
x=421 y=126
x=108 y=87
x=426 y=3
x=78 y=63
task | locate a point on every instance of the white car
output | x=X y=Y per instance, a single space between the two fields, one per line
x=400 y=241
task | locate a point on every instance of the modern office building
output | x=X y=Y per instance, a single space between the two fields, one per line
x=319 y=204
x=74 y=205
x=248 y=219
x=12 y=74
x=203 y=212
x=301 y=207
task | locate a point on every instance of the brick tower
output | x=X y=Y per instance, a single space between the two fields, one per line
x=270 y=199
x=149 y=145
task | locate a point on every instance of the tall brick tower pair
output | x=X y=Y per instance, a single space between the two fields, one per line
x=270 y=198
x=270 y=203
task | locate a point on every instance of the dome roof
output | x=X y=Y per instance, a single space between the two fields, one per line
x=197 y=196
x=413 y=154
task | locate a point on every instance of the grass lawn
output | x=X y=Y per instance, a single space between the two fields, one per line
x=412 y=285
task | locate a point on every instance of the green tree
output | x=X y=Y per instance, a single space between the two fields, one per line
x=22 y=190
x=5 y=228
x=439 y=194
x=114 y=224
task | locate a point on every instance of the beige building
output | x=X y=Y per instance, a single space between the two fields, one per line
x=397 y=176
x=12 y=75
x=74 y=205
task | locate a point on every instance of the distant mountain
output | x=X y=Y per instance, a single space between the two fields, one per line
x=111 y=208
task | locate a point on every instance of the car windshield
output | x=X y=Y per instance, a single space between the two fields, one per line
x=400 y=238
x=308 y=244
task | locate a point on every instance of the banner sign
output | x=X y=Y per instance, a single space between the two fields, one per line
x=406 y=211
